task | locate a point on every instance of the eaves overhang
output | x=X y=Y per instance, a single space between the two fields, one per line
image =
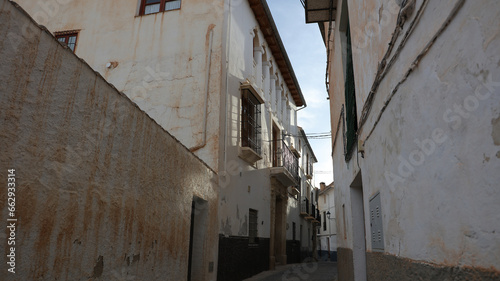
x=268 y=27
x=303 y=135
x=320 y=10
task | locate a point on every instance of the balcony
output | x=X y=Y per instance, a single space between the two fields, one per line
x=307 y=210
x=286 y=169
x=319 y=10
x=314 y=214
x=304 y=207
x=309 y=171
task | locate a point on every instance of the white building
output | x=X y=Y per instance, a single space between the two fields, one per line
x=302 y=210
x=327 y=234
x=216 y=75
x=415 y=113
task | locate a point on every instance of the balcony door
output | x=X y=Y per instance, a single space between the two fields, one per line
x=275 y=145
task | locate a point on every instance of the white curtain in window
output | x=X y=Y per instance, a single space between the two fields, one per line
x=172 y=5
x=151 y=9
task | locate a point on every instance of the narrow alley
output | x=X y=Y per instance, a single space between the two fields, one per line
x=250 y=140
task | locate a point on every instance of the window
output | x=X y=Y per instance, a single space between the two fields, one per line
x=350 y=91
x=250 y=120
x=156 y=6
x=68 y=38
x=294 y=227
x=324 y=221
x=252 y=226
x=343 y=218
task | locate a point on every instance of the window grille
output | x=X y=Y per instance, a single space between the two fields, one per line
x=250 y=121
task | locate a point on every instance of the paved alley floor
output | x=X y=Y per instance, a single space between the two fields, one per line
x=313 y=271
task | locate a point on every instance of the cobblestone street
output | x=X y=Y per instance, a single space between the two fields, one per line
x=316 y=271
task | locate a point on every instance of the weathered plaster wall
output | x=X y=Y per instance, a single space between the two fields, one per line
x=433 y=155
x=162 y=59
x=326 y=203
x=103 y=192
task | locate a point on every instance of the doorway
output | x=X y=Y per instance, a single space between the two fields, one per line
x=278 y=243
x=199 y=215
x=358 y=229
x=275 y=145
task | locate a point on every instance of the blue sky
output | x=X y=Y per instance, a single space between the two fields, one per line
x=307 y=53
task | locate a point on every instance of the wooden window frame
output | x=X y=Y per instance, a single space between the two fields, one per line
x=66 y=35
x=142 y=9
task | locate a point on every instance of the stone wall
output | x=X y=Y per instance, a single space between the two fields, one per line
x=102 y=191
x=388 y=267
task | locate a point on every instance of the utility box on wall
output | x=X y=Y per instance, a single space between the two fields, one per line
x=377 y=232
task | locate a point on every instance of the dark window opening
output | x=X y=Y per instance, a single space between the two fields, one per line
x=252 y=226
x=350 y=99
x=250 y=121
x=156 y=6
x=324 y=221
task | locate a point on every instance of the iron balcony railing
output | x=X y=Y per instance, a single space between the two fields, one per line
x=304 y=206
x=290 y=162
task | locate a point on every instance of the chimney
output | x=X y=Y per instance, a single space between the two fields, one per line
x=322 y=186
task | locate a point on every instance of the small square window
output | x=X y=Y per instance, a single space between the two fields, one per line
x=156 y=6
x=68 y=38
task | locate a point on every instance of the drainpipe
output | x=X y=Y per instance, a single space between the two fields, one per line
x=207 y=90
x=226 y=98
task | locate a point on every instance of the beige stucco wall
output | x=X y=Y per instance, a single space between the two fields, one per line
x=439 y=203
x=162 y=60
x=103 y=191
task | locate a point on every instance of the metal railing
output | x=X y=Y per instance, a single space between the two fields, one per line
x=304 y=206
x=290 y=162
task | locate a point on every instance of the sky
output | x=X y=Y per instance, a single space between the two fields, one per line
x=307 y=53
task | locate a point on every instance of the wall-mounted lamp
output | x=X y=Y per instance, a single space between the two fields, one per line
x=328 y=214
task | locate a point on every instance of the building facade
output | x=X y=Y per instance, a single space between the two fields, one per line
x=327 y=234
x=98 y=190
x=215 y=74
x=302 y=210
x=414 y=97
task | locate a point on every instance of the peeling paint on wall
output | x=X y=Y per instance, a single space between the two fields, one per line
x=103 y=191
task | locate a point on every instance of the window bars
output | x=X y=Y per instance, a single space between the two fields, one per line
x=250 y=121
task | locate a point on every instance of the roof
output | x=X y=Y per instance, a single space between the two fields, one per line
x=303 y=134
x=327 y=189
x=273 y=39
